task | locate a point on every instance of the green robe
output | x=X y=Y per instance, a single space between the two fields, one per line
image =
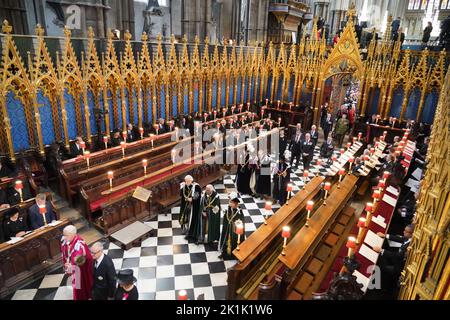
x=228 y=237
x=211 y=209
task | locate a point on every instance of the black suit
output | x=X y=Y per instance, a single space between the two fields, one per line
x=14 y=195
x=307 y=153
x=327 y=126
x=104 y=279
x=296 y=148
x=5 y=172
x=314 y=136
x=326 y=150
x=36 y=219
x=392 y=261
x=75 y=150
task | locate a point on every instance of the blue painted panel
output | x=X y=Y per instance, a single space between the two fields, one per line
x=127 y=106
x=252 y=89
x=214 y=94
x=224 y=92
x=135 y=104
x=71 y=116
x=119 y=112
x=238 y=92
x=91 y=105
x=174 y=102
x=291 y=89
x=413 y=104
x=397 y=100
x=100 y=101
x=196 y=101
x=244 y=100
x=186 y=101
x=45 y=112
x=231 y=94
x=429 y=108
x=269 y=88
x=163 y=102
x=279 y=92
x=376 y=96
x=110 y=110
x=150 y=106
x=19 y=131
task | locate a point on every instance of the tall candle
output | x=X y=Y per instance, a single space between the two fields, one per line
x=110 y=178
x=144 y=164
x=351 y=245
x=105 y=141
x=361 y=225
x=309 y=207
x=285 y=234
x=43 y=211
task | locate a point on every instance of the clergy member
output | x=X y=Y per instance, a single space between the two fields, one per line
x=211 y=213
x=281 y=178
x=190 y=212
x=228 y=237
x=78 y=263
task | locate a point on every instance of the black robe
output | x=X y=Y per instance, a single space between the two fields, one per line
x=281 y=181
x=228 y=237
x=263 y=183
x=211 y=209
x=190 y=213
x=243 y=175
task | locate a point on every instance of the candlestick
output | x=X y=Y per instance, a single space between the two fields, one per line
x=359 y=136
x=182 y=295
x=326 y=187
x=110 y=178
x=124 y=136
x=267 y=208
x=123 y=145
x=239 y=232
x=376 y=196
x=141 y=131
x=341 y=174
x=87 y=156
x=285 y=233
x=350 y=161
x=305 y=178
x=43 y=211
x=369 y=209
x=105 y=141
x=152 y=137
x=289 y=191
x=351 y=245
x=309 y=207
x=83 y=145
x=144 y=164
x=361 y=225
x=19 y=187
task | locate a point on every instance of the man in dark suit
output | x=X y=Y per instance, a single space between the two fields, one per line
x=132 y=134
x=5 y=171
x=327 y=148
x=392 y=261
x=104 y=274
x=314 y=134
x=116 y=138
x=36 y=217
x=307 y=151
x=282 y=143
x=14 y=194
x=296 y=147
x=327 y=125
x=75 y=148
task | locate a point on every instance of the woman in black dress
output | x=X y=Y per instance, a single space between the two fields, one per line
x=263 y=184
x=126 y=289
x=14 y=226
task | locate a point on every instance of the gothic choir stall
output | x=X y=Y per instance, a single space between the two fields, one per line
x=161 y=168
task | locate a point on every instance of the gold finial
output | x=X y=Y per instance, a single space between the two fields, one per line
x=351 y=10
x=144 y=36
x=127 y=35
x=91 y=32
x=159 y=37
x=184 y=38
x=206 y=41
x=110 y=34
x=172 y=38
x=67 y=32
x=39 y=30
x=196 y=40
x=6 y=27
x=390 y=19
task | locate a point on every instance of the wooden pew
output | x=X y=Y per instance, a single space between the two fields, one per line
x=287 y=116
x=257 y=249
x=31 y=258
x=374 y=130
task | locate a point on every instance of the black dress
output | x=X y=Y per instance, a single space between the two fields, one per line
x=121 y=294
x=14 y=227
x=243 y=175
x=263 y=184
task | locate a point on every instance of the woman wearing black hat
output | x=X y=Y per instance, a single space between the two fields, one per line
x=126 y=289
x=14 y=226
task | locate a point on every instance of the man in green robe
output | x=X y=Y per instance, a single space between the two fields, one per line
x=190 y=211
x=211 y=212
x=229 y=238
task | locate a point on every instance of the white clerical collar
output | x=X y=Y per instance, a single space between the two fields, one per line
x=99 y=260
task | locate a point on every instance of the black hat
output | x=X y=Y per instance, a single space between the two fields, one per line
x=11 y=211
x=234 y=198
x=126 y=276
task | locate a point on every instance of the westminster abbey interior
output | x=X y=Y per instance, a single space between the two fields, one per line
x=224 y=150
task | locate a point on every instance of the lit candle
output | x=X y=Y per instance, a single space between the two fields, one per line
x=350 y=160
x=289 y=191
x=173 y=155
x=361 y=225
x=124 y=136
x=19 y=188
x=342 y=151
x=385 y=133
x=182 y=295
x=156 y=127
x=381 y=138
x=267 y=208
x=239 y=232
x=369 y=209
x=279 y=102
x=376 y=196
x=372 y=150
x=305 y=178
x=215 y=114
x=141 y=131
x=83 y=145
x=110 y=178
x=326 y=187
x=351 y=245
x=381 y=185
x=152 y=138
x=359 y=136
x=285 y=234
x=393 y=122
x=341 y=174
x=355 y=139
x=43 y=211
x=309 y=207
x=87 y=156
x=123 y=145
x=267 y=101
x=144 y=164
x=386 y=175
x=105 y=141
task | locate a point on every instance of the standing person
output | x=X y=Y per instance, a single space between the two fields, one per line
x=281 y=177
x=326 y=150
x=132 y=134
x=327 y=125
x=243 y=176
x=211 y=212
x=228 y=237
x=307 y=151
x=104 y=274
x=395 y=26
x=263 y=184
x=341 y=129
x=126 y=289
x=296 y=148
x=190 y=193
x=282 y=142
x=78 y=263
x=314 y=134
x=427 y=33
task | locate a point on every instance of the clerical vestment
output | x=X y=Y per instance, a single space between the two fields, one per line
x=228 y=237
x=77 y=253
x=211 y=211
x=189 y=210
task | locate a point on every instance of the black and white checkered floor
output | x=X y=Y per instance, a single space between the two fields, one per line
x=166 y=262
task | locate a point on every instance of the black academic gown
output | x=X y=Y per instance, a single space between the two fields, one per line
x=280 y=182
x=263 y=182
x=190 y=214
x=211 y=209
x=228 y=237
x=243 y=175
